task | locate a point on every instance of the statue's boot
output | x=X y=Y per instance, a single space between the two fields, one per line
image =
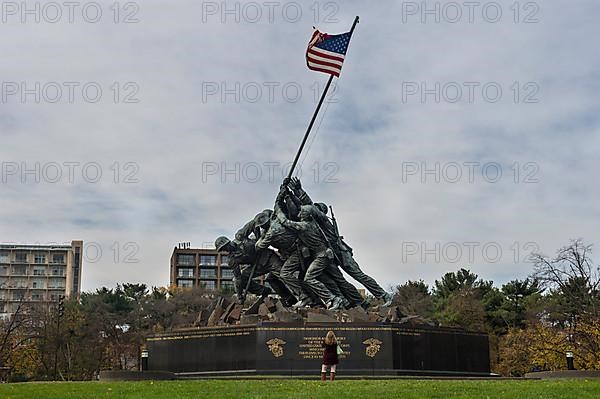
x=388 y=298
x=289 y=301
x=336 y=303
x=302 y=303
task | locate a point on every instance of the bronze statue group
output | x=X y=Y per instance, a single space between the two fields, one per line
x=297 y=247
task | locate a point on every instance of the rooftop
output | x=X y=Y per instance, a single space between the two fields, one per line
x=26 y=247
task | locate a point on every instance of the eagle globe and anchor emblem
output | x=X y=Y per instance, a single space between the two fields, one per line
x=276 y=346
x=373 y=346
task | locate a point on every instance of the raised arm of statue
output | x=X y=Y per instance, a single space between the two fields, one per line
x=296 y=188
x=297 y=226
x=266 y=240
x=244 y=232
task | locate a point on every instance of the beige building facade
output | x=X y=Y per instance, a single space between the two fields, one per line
x=38 y=274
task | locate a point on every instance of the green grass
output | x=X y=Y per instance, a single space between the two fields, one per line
x=367 y=389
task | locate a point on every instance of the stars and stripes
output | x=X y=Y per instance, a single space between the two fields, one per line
x=326 y=53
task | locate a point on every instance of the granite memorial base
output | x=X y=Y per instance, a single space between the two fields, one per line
x=294 y=349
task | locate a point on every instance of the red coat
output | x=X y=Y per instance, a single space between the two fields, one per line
x=330 y=355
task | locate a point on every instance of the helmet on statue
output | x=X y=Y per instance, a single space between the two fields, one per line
x=221 y=242
x=263 y=218
x=322 y=207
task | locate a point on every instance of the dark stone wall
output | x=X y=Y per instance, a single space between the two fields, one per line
x=440 y=350
x=295 y=349
x=206 y=349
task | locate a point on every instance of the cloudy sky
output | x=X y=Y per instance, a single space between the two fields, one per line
x=457 y=136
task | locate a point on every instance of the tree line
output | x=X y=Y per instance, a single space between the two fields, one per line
x=532 y=323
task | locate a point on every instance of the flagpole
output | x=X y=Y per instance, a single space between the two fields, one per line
x=314 y=117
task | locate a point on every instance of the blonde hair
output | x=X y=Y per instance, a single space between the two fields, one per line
x=330 y=338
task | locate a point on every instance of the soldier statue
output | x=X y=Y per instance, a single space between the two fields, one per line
x=310 y=235
x=290 y=249
x=304 y=267
x=343 y=252
x=258 y=263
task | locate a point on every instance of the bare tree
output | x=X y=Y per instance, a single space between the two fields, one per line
x=573 y=275
x=14 y=331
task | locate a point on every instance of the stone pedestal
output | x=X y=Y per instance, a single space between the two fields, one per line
x=275 y=348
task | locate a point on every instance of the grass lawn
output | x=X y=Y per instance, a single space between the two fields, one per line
x=404 y=389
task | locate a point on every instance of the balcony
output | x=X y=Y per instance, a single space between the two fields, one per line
x=226 y=273
x=185 y=272
x=186 y=260
x=58 y=260
x=18 y=298
x=208 y=260
x=208 y=273
x=209 y=285
x=185 y=283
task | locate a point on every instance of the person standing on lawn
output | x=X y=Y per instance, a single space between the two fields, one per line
x=330 y=356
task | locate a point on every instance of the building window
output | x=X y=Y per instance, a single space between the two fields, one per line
x=185 y=283
x=208 y=273
x=209 y=285
x=36 y=297
x=58 y=271
x=185 y=273
x=18 y=296
x=37 y=284
x=208 y=260
x=39 y=272
x=20 y=258
x=19 y=283
x=185 y=259
x=226 y=273
x=19 y=271
x=56 y=283
x=40 y=258
x=58 y=259
x=224 y=260
x=227 y=286
x=4 y=257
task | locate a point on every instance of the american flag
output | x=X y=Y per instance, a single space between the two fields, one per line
x=325 y=53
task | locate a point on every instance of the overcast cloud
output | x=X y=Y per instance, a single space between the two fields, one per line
x=374 y=140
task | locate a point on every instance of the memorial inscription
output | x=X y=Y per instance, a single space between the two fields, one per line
x=311 y=347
